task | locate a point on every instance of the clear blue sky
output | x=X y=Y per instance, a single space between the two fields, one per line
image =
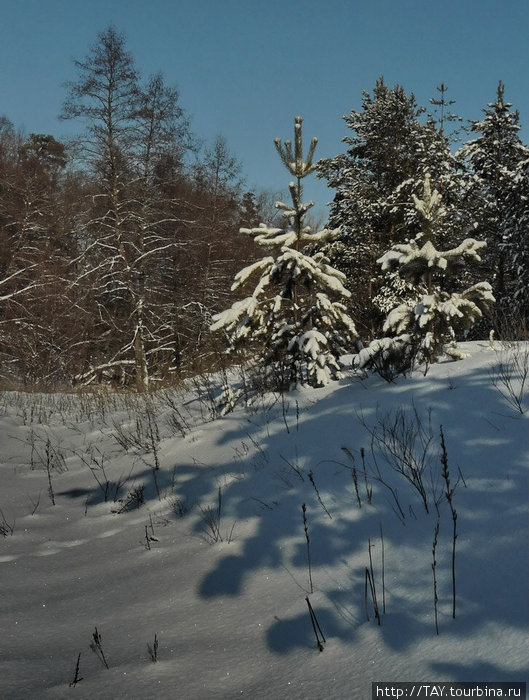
x=245 y=68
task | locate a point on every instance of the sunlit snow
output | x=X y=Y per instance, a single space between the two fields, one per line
x=227 y=599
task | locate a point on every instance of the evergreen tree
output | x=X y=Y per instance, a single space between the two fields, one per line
x=390 y=151
x=495 y=158
x=443 y=117
x=422 y=328
x=291 y=313
x=249 y=215
x=515 y=248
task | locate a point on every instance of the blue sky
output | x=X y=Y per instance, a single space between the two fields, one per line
x=245 y=68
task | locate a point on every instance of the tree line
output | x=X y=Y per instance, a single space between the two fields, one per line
x=119 y=247
x=115 y=246
x=393 y=144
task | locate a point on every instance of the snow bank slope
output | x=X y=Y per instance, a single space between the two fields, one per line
x=230 y=616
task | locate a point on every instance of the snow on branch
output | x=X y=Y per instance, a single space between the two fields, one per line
x=292 y=310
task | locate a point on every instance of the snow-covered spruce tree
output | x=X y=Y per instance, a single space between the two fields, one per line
x=495 y=157
x=389 y=151
x=425 y=327
x=295 y=311
x=380 y=155
x=515 y=247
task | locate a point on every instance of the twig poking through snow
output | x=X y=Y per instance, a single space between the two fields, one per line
x=315 y=626
x=383 y=572
x=434 y=569
x=97 y=647
x=449 y=493
x=306 y=527
x=322 y=504
x=371 y=577
x=76 y=678
x=153 y=651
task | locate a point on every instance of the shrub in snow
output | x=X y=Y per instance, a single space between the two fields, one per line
x=423 y=327
x=389 y=357
x=295 y=310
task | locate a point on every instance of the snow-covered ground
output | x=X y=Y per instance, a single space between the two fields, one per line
x=230 y=617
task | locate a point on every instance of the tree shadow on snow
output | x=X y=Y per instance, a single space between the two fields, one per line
x=487 y=502
x=479 y=672
x=286 y=634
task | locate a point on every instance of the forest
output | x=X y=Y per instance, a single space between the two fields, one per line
x=192 y=506
x=123 y=251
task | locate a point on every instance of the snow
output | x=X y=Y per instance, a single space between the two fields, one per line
x=230 y=616
x=413 y=258
x=242 y=276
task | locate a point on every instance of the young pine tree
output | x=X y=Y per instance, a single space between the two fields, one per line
x=422 y=328
x=295 y=311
